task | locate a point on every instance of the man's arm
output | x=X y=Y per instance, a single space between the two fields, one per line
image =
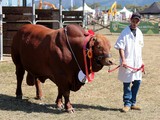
x=121 y=53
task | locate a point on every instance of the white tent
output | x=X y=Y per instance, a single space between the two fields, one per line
x=87 y=9
x=125 y=13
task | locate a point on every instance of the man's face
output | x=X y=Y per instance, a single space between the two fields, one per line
x=134 y=23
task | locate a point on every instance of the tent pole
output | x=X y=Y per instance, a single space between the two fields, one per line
x=1 y=32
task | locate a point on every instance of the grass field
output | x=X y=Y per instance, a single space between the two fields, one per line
x=98 y=100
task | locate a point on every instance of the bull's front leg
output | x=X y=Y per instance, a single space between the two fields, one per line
x=68 y=105
x=59 y=101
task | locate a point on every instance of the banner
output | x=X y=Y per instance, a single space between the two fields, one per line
x=145 y=27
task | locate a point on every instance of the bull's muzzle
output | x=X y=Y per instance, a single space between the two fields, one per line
x=105 y=59
x=107 y=62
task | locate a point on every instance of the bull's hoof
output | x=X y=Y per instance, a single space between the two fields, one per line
x=38 y=98
x=60 y=107
x=70 y=110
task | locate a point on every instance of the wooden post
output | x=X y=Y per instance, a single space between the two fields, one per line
x=1 y=32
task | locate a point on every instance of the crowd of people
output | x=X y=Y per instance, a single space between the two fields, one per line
x=104 y=17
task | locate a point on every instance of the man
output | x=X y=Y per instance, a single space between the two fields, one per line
x=129 y=44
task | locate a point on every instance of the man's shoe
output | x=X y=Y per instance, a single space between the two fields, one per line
x=135 y=107
x=125 y=109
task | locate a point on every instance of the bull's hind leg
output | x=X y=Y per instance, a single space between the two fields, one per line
x=38 y=89
x=19 y=74
x=32 y=80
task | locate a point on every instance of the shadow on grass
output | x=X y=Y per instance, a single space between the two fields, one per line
x=10 y=103
x=79 y=107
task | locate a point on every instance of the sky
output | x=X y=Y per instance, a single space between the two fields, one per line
x=13 y=2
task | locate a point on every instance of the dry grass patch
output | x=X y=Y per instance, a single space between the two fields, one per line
x=99 y=100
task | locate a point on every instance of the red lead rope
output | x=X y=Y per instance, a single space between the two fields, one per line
x=113 y=69
x=135 y=69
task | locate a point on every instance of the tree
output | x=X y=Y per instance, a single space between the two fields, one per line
x=119 y=6
x=95 y=5
x=74 y=7
x=133 y=7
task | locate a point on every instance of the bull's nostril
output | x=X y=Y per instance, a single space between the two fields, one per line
x=110 y=62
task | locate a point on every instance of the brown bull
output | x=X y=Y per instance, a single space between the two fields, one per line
x=57 y=55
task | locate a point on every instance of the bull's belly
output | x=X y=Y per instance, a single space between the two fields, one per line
x=36 y=71
x=36 y=67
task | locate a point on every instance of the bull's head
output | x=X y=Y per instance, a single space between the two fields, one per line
x=101 y=52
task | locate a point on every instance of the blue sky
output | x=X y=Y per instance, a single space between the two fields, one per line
x=13 y=2
x=139 y=2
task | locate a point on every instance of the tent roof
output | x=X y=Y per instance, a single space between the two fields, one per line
x=152 y=9
x=86 y=8
x=124 y=10
x=127 y=12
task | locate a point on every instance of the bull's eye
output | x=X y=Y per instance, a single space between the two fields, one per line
x=99 y=47
x=100 y=57
x=95 y=39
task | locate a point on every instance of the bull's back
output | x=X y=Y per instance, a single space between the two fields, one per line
x=30 y=46
x=27 y=31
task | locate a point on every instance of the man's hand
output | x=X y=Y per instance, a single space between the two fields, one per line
x=124 y=64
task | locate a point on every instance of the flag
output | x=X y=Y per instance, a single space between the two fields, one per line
x=113 y=9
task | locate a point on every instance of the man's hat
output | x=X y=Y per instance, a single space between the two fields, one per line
x=136 y=15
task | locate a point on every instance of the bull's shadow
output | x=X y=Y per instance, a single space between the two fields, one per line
x=10 y=103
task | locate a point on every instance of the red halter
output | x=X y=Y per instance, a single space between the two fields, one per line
x=90 y=76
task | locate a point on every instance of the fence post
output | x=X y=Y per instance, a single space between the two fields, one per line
x=1 y=32
x=61 y=16
x=83 y=25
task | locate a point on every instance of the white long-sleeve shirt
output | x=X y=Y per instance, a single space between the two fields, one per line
x=132 y=47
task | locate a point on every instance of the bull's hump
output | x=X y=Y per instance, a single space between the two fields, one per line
x=75 y=31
